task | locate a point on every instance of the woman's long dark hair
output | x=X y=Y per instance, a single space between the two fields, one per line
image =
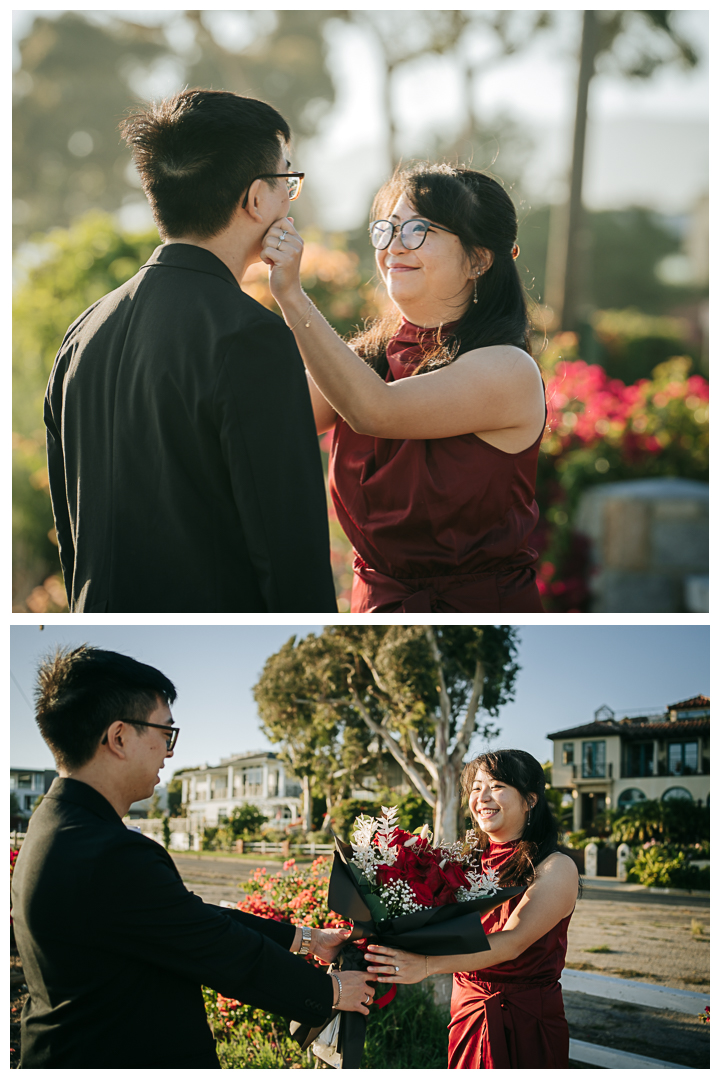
x=539 y=838
x=480 y=212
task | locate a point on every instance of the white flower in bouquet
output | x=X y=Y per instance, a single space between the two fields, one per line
x=367 y=855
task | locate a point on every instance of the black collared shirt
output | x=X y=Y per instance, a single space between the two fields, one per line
x=115 y=949
x=184 y=467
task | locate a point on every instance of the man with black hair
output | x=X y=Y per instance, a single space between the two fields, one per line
x=115 y=949
x=184 y=467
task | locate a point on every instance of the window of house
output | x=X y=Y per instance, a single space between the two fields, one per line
x=682 y=758
x=253 y=780
x=676 y=793
x=593 y=758
x=568 y=753
x=25 y=780
x=639 y=759
x=630 y=796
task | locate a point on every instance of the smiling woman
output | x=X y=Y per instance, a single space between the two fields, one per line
x=507 y=1009
x=438 y=407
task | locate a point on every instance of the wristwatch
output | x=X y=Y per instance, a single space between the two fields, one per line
x=306 y=939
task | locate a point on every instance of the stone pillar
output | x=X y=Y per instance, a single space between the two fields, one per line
x=577 y=811
x=649 y=543
x=591 y=852
x=623 y=857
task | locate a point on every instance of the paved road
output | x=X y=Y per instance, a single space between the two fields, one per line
x=215 y=879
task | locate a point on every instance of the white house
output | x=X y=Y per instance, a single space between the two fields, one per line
x=211 y=792
x=613 y=763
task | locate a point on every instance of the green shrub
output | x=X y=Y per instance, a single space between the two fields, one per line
x=672 y=821
x=342 y=816
x=411 y=1032
x=579 y=840
x=666 y=866
x=209 y=838
x=633 y=343
x=563 y=814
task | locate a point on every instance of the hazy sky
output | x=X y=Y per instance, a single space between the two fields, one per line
x=567 y=672
x=647 y=139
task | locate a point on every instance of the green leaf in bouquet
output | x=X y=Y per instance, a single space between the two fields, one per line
x=374 y=903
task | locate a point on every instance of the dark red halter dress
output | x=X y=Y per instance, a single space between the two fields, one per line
x=436 y=524
x=511 y=1016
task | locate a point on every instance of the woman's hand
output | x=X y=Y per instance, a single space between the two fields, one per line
x=358 y=990
x=282 y=251
x=326 y=944
x=394 y=965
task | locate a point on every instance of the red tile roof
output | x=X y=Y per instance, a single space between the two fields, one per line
x=634 y=728
x=698 y=702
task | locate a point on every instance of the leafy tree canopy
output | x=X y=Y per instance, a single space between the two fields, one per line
x=418 y=690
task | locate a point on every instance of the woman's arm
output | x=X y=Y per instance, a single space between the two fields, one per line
x=549 y=899
x=325 y=415
x=490 y=389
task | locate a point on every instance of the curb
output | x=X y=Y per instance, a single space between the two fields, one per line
x=605 y=1057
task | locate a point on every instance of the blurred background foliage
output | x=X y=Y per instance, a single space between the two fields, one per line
x=625 y=372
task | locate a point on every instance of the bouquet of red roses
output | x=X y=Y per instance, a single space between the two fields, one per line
x=400 y=872
x=400 y=891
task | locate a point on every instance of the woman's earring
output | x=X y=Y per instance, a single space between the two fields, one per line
x=476 y=281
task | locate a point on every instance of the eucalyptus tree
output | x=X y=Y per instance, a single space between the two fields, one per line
x=420 y=693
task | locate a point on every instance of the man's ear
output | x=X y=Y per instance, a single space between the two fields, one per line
x=115 y=739
x=252 y=206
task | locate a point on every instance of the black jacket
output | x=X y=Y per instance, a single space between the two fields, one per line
x=115 y=948
x=185 y=471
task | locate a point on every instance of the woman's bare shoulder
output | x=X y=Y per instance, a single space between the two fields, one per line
x=557 y=865
x=506 y=360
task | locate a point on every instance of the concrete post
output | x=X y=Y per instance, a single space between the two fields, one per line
x=591 y=860
x=623 y=857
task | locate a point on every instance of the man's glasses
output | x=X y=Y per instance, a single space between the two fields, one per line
x=171 y=733
x=294 y=183
x=412 y=233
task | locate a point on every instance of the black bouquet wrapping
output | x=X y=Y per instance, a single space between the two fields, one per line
x=450 y=930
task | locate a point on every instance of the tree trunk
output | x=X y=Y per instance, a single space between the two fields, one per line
x=392 y=147
x=568 y=242
x=446 y=806
x=307 y=804
x=327 y=824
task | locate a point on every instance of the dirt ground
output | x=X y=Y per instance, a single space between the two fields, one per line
x=660 y=944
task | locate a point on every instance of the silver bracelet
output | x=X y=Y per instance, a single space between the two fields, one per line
x=306 y=939
x=334 y=975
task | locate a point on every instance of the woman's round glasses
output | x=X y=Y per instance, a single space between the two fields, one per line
x=412 y=233
x=294 y=183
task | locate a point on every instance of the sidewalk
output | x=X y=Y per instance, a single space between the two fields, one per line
x=609 y=888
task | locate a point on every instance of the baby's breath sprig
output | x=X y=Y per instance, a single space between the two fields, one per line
x=398 y=898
